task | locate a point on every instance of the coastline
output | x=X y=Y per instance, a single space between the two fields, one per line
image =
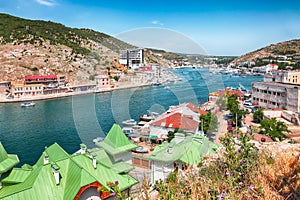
x=69 y=94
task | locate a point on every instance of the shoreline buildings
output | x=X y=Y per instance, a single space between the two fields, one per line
x=279 y=90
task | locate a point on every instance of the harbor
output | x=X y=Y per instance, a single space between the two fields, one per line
x=72 y=120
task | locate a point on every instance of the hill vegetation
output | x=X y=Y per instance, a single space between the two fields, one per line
x=29 y=47
x=285 y=54
x=18 y=30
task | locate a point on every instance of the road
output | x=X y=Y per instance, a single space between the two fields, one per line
x=223 y=125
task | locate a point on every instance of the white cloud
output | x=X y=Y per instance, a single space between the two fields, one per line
x=156 y=22
x=46 y=3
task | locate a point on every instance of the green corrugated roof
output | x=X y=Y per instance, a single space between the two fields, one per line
x=122 y=167
x=54 y=153
x=104 y=159
x=7 y=161
x=75 y=172
x=104 y=174
x=3 y=153
x=191 y=150
x=116 y=141
x=17 y=175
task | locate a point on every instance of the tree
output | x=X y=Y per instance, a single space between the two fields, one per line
x=116 y=78
x=222 y=101
x=209 y=122
x=258 y=115
x=232 y=103
x=171 y=134
x=213 y=125
x=233 y=106
x=273 y=129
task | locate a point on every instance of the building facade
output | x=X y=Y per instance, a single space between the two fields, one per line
x=103 y=81
x=290 y=77
x=276 y=95
x=21 y=90
x=133 y=58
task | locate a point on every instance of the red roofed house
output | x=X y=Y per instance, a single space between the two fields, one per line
x=175 y=118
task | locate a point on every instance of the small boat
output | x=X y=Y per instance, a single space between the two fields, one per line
x=27 y=104
x=98 y=139
x=129 y=122
x=141 y=150
x=146 y=118
x=127 y=130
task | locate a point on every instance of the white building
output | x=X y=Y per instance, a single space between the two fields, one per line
x=102 y=81
x=133 y=58
x=178 y=154
x=20 y=90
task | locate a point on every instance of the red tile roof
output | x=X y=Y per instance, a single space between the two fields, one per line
x=44 y=77
x=177 y=120
x=230 y=92
x=202 y=112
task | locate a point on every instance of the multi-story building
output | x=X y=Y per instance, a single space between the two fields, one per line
x=102 y=81
x=133 y=58
x=47 y=80
x=279 y=90
x=291 y=77
x=276 y=95
x=20 y=89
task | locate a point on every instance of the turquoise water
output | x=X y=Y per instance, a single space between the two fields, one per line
x=73 y=120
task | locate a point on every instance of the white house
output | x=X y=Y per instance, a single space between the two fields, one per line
x=103 y=81
x=178 y=154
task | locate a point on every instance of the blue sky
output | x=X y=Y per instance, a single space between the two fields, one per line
x=219 y=27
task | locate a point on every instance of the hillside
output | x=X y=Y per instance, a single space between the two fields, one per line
x=284 y=53
x=29 y=47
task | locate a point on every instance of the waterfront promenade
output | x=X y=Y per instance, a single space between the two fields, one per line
x=3 y=99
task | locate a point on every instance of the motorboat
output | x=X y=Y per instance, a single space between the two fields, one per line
x=129 y=122
x=27 y=104
x=146 y=118
x=141 y=150
x=127 y=130
x=98 y=139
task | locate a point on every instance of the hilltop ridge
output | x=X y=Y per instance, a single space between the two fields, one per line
x=31 y=47
x=287 y=53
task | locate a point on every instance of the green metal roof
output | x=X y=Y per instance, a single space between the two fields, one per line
x=17 y=175
x=7 y=161
x=75 y=172
x=54 y=153
x=191 y=150
x=122 y=167
x=104 y=174
x=104 y=159
x=116 y=141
